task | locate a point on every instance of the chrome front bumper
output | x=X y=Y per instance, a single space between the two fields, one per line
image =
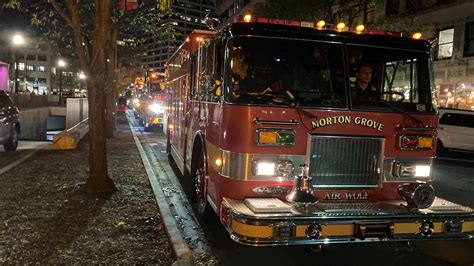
x=346 y=223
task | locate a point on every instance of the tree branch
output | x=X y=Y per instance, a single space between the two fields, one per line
x=73 y=8
x=61 y=12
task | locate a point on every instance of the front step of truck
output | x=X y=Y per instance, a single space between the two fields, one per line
x=283 y=223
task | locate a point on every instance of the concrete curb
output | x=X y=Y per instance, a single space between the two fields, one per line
x=183 y=252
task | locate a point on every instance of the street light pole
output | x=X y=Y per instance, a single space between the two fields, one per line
x=17 y=41
x=60 y=84
x=17 y=59
x=61 y=64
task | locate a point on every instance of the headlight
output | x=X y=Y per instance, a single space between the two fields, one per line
x=411 y=170
x=263 y=168
x=156 y=108
x=282 y=168
x=422 y=170
x=275 y=137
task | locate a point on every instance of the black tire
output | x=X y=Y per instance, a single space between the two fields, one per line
x=148 y=129
x=168 y=142
x=12 y=142
x=203 y=208
x=440 y=149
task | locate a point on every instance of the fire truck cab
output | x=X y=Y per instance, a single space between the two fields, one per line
x=298 y=135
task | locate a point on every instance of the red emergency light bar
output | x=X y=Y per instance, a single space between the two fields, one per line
x=319 y=25
x=157 y=97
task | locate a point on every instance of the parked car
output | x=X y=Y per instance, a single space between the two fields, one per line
x=456 y=130
x=9 y=124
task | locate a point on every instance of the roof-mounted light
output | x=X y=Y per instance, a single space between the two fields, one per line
x=321 y=24
x=248 y=18
x=340 y=26
x=187 y=39
x=359 y=28
x=416 y=35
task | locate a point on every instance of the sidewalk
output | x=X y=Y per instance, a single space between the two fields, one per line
x=45 y=219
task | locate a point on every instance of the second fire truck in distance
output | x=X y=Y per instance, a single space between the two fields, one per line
x=300 y=135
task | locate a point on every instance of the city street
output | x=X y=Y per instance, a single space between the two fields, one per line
x=453 y=186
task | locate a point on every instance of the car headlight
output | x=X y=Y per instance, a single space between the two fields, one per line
x=156 y=108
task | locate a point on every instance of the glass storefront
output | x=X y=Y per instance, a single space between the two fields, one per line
x=456 y=95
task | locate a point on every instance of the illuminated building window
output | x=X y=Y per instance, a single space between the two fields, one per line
x=445 y=45
x=21 y=66
x=30 y=68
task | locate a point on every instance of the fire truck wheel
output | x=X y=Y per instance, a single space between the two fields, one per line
x=440 y=150
x=168 y=143
x=200 y=190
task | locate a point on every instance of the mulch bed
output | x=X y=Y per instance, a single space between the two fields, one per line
x=46 y=219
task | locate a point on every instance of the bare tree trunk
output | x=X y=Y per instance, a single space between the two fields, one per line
x=111 y=89
x=98 y=180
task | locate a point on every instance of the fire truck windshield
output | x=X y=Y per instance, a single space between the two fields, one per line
x=285 y=72
x=387 y=78
x=271 y=71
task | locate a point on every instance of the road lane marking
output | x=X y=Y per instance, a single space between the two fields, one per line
x=22 y=159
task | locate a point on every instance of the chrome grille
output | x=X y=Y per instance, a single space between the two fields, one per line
x=337 y=161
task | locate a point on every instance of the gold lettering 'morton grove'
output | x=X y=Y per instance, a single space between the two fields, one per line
x=346 y=119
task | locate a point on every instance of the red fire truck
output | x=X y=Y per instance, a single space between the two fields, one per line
x=149 y=108
x=294 y=134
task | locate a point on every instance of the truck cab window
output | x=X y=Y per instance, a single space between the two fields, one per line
x=388 y=79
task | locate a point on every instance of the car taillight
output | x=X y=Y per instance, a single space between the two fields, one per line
x=414 y=142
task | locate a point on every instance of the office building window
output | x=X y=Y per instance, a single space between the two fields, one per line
x=30 y=68
x=445 y=44
x=41 y=68
x=21 y=66
x=31 y=57
x=469 y=40
x=42 y=57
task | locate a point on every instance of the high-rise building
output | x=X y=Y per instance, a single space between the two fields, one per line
x=227 y=10
x=183 y=18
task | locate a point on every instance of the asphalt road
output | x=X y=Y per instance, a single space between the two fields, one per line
x=454 y=181
x=24 y=151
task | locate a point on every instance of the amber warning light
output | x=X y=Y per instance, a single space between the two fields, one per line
x=248 y=18
x=320 y=24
